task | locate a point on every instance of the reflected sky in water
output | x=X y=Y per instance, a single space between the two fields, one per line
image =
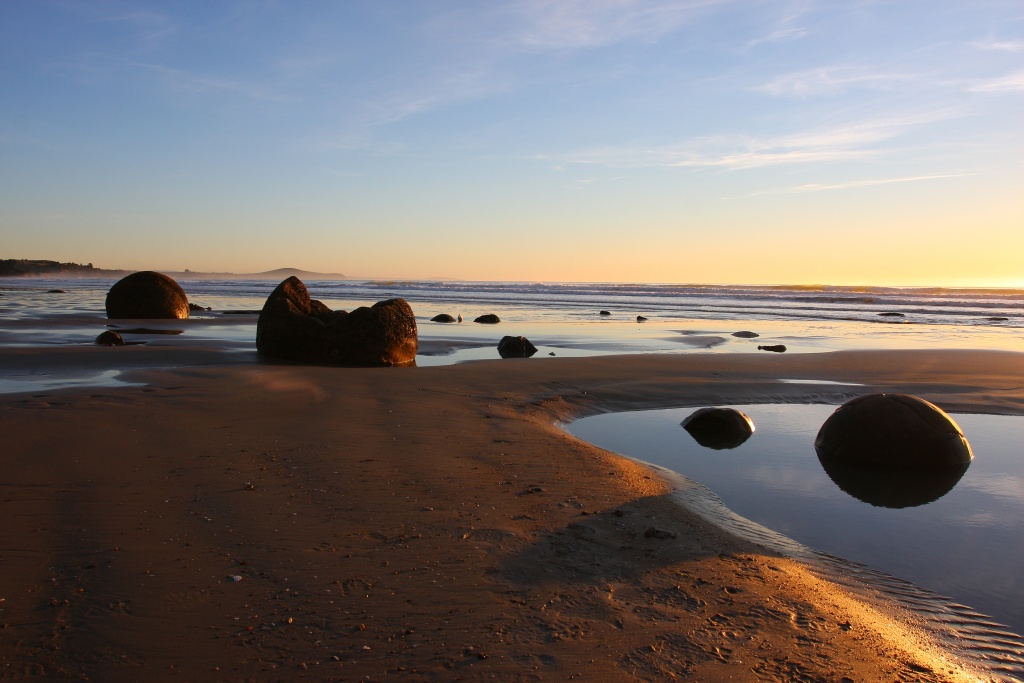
x=968 y=544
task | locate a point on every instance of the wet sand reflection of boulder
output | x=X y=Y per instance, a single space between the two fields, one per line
x=719 y=428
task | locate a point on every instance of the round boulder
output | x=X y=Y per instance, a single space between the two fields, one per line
x=719 y=428
x=892 y=431
x=516 y=347
x=442 y=318
x=146 y=294
x=488 y=319
x=109 y=338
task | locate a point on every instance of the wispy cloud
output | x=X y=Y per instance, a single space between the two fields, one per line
x=856 y=141
x=782 y=35
x=828 y=80
x=183 y=80
x=1002 y=45
x=1010 y=83
x=854 y=184
x=573 y=24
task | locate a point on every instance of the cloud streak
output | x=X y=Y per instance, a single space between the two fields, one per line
x=829 y=80
x=853 y=142
x=856 y=184
x=1010 y=83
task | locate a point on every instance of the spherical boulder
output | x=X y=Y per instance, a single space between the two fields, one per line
x=146 y=294
x=109 y=338
x=442 y=318
x=488 y=319
x=516 y=347
x=293 y=326
x=892 y=431
x=719 y=428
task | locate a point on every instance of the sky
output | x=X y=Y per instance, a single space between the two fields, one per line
x=691 y=141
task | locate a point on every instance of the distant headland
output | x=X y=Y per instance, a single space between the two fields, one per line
x=55 y=269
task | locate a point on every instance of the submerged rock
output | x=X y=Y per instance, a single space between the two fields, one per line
x=745 y=334
x=774 y=348
x=641 y=319
x=442 y=318
x=146 y=294
x=516 y=347
x=293 y=326
x=109 y=338
x=719 y=428
x=488 y=319
x=605 y=313
x=895 y=431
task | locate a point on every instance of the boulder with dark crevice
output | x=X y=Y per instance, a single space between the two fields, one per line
x=719 y=428
x=293 y=326
x=516 y=347
x=146 y=294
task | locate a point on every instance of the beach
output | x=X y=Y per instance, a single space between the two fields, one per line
x=221 y=518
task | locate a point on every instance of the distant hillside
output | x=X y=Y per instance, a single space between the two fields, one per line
x=283 y=273
x=39 y=268
x=55 y=269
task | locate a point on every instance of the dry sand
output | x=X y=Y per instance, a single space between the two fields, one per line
x=243 y=521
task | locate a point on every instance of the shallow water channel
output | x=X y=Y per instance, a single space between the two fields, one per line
x=966 y=544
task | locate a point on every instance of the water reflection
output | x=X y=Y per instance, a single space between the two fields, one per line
x=892 y=488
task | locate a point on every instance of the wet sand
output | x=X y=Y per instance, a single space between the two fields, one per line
x=233 y=520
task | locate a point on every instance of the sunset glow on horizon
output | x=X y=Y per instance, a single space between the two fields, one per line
x=687 y=141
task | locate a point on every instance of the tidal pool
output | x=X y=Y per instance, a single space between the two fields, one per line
x=967 y=543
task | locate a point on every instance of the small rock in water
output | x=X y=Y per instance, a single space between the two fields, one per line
x=109 y=338
x=605 y=313
x=443 y=318
x=745 y=334
x=488 y=319
x=641 y=319
x=516 y=347
x=775 y=348
x=891 y=314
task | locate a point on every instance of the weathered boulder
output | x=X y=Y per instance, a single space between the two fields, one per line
x=488 y=319
x=293 y=326
x=516 y=347
x=774 y=348
x=719 y=428
x=109 y=338
x=146 y=294
x=442 y=318
x=197 y=307
x=892 y=431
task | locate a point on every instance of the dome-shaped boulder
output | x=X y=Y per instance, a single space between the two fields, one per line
x=894 y=431
x=109 y=338
x=719 y=428
x=516 y=347
x=442 y=318
x=488 y=319
x=293 y=326
x=146 y=294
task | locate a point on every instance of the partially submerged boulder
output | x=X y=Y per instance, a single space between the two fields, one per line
x=719 y=428
x=109 y=338
x=488 y=319
x=516 y=347
x=293 y=326
x=774 y=348
x=745 y=334
x=146 y=294
x=895 y=431
x=442 y=318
